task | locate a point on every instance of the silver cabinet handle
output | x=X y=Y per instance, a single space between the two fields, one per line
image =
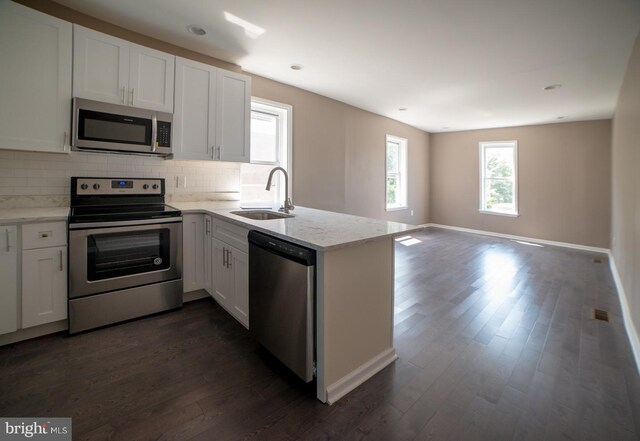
x=123 y=94
x=213 y=152
x=229 y=257
x=206 y=226
x=131 y=95
x=154 y=131
x=64 y=140
x=61 y=257
x=218 y=153
x=8 y=240
x=224 y=257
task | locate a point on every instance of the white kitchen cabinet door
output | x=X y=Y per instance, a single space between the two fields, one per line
x=8 y=279
x=194 y=120
x=151 y=78
x=233 y=116
x=239 y=265
x=193 y=252
x=113 y=70
x=222 y=276
x=100 y=66
x=208 y=255
x=35 y=80
x=44 y=286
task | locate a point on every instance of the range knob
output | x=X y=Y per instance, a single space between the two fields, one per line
x=96 y=186
x=145 y=186
x=155 y=186
x=84 y=186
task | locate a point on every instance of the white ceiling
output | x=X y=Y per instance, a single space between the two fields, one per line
x=459 y=64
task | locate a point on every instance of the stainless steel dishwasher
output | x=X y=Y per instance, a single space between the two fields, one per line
x=281 y=300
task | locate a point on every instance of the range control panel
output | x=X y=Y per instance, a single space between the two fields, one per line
x=115 y=186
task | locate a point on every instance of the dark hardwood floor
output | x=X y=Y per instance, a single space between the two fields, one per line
x=496 y=342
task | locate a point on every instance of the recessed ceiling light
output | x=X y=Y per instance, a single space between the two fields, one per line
x=402 y=109
x=552 y=87
x=296 y=66
x=250 y=30
x=561 y=117
x=196 y=30
x=447 y=127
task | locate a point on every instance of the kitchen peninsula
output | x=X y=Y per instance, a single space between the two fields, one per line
x=355 y=283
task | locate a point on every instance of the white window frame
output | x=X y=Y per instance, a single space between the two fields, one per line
x=284 y=156
x=498 y=144
x=403 y=178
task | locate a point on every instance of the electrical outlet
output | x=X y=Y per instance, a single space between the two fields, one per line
x=181 y=181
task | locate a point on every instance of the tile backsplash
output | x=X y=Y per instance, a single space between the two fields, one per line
x=42 y=179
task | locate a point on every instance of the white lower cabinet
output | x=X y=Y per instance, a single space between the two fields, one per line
x=44 y=286
x=226 y=267
x=208 y=254
x=193 y=247
x=44 y=273
x=231 y=280
x=8 y=278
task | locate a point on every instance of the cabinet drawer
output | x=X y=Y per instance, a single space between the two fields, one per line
x=43 y=235
x=231 y=234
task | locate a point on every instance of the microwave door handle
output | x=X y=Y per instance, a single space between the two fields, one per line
x=154 y=132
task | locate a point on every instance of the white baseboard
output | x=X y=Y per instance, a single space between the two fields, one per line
x=33 y=332
x=626 y=312
x=359 y=375
x=523 y=238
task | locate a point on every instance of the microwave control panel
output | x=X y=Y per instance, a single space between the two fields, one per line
x=164 y=134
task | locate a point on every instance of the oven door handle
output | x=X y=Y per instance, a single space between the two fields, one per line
x=92 y=225
x=154 y=132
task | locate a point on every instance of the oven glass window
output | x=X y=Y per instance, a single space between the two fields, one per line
x=128 y=253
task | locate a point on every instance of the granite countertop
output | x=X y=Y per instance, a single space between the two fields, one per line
x=45 y=214
x=317 y=229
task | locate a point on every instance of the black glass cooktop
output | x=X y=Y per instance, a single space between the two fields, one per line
x=114 y=213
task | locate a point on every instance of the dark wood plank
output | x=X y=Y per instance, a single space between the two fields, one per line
x=495 y=338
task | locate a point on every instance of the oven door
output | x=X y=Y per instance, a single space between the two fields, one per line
x=111 y=258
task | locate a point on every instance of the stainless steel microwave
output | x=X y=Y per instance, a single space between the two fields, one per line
x=107 y=127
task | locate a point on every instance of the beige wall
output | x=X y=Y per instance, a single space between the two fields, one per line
x=338 y=150
x=625 y=237
x=564 y=181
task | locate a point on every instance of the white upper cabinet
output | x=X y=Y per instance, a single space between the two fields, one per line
x=35 y=80
x=151 y=78
x=233 y=116
x=211 y=119
x=113 y=70
x=194 y=120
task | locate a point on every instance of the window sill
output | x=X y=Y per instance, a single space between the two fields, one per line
x=498 y=213
x=396 y=208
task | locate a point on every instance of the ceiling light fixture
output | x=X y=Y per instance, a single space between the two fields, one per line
x=296 y=66
x=561 y=117
x=196 y=30
x=250 y=30
x=552 y=87
x=402 y=109
x=447 y=127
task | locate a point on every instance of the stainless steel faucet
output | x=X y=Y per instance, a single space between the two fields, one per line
x=288 y=206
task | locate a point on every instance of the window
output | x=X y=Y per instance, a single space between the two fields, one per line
x=396 y=178
x=499 y=177
x=270 y=147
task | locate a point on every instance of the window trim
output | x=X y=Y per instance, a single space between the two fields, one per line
x=403 y=157
x=286 y=132
x=483 y=145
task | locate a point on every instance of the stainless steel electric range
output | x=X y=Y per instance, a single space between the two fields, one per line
x=125 y=251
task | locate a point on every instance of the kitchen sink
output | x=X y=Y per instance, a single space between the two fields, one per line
x=261 y=214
